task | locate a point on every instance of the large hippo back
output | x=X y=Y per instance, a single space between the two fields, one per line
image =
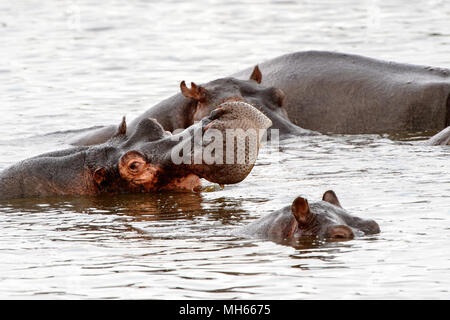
x=342 y=93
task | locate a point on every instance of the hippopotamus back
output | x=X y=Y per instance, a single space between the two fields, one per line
x=342 y=93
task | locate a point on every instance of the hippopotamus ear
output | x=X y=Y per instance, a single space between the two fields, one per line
x=300 y=210
x=195 y=92
x=122 y=129
x=331 y=197
x=99 y=175
x=256 y=75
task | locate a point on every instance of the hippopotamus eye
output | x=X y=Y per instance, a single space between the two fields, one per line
x=134 y=166
x=132 y=163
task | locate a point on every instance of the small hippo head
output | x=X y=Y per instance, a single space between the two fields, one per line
x=269 y=100
x=324 y=219
x=327 y=219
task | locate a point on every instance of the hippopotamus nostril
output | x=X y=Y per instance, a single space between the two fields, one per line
x=340 y=232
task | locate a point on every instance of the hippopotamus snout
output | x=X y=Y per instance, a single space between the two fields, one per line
x=340 y=232
x=228 y=143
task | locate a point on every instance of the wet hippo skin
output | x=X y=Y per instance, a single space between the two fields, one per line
x=315 y=91
x=197 y=101
x=334 y=92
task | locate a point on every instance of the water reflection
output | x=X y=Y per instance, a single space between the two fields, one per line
x=142 y=206
x=144 y=214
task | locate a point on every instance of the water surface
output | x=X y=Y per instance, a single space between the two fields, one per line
x=68 y=65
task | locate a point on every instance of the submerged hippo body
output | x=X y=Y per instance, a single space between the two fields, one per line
x=142 y=161
x=343 y=93
x=192 y=104
x=440 y=139
x=323 y=219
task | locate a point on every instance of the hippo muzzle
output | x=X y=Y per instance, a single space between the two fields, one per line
x=223 y=147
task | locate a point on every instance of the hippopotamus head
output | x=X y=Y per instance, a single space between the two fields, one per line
x=153 y=159
x=323 y=219
x=143 y=161
x=269 y=100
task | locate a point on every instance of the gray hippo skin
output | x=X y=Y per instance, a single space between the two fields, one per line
x=350 y=94
x=192 y=104
x=324 y=219
x=138 y=162
x=440 y=139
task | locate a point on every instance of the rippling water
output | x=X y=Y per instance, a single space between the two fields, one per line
x=74 y=64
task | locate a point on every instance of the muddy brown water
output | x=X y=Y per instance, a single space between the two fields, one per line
x=68 y=65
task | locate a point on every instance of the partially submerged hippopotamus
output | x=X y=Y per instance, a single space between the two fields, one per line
x=324 y=219
x=194 y=103
x=343 y=93
x=306 y=92
x=144 y=160
x=442 y=138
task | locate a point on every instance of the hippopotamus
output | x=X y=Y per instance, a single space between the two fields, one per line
x=192 y=104
x=305 y=93
x=324 y=219
x=143 y=160
x=341 y=93
x=442 y=138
